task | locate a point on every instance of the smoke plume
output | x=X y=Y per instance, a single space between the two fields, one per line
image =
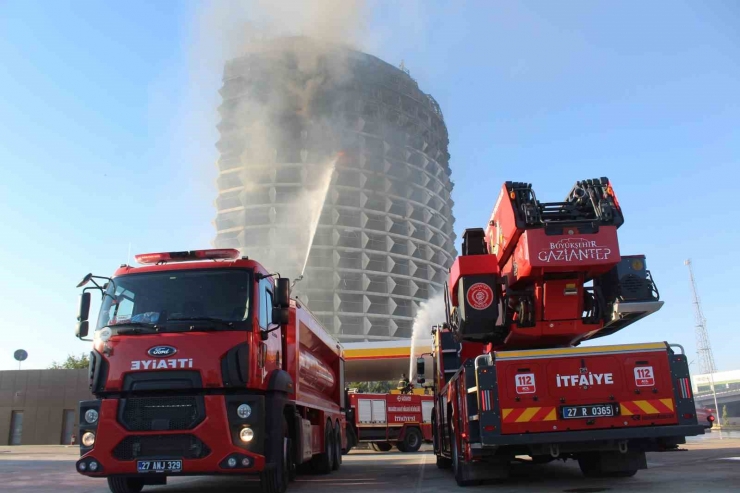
x=291 y=59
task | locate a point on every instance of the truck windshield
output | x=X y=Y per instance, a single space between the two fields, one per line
x=208 y=296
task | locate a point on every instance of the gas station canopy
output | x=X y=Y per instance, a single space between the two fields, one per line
x=382 y=361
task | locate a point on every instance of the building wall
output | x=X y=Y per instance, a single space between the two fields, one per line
x=384 y=238
x=42 y=395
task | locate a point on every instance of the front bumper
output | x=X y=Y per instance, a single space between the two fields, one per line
x=218 y=431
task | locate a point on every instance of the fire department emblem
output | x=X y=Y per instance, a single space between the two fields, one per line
x=480 y=296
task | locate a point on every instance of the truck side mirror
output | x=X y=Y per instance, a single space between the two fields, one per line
x=83 y=311
x=282 y=293
x=280 y=316
x=420 y=367
x=82 y=329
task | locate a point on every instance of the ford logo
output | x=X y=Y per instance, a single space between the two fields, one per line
x=162 y=351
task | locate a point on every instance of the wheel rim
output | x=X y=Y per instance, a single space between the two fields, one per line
x=330 y=448
x=413 y=440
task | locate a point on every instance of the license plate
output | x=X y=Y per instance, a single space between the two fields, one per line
x=144 y=466
x=590 y=411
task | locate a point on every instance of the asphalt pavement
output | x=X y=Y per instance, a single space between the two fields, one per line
x=706 y=464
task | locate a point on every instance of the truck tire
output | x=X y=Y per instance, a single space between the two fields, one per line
x=324 y=463
x=400 y=446
x=457 y=465
x=275 y=479
x=337 y=447
x=412 y=440
x=125 y=485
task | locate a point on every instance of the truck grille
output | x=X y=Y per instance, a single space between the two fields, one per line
x=163 y=446
x=161 y=413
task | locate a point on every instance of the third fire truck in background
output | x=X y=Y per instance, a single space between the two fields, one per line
x=509 y=379
x=385 y=420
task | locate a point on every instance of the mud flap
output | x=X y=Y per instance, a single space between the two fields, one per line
x=474 y=472
x=616 y=464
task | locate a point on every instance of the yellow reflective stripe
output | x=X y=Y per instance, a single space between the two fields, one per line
x=585 y=351
x=646 y=406
x=623 y=410
x=668 y=403
x=551 y=417
x=506 y=412
x=527 y=414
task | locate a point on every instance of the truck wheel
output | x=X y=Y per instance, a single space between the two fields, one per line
x=292 y=468
x=412 y=440
x=384 y=446
x=125 y=485
x=400 y=446
x=324 y=463
x=275 y=479
x=457 y=465
x=337 y=447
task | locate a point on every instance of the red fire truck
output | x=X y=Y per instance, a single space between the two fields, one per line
x=384 y=420
x=202 y=364
x=509 y=379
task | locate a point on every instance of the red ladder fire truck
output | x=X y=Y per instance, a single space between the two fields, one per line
x=509 y=379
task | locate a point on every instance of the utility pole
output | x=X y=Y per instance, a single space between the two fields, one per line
x=703 y=347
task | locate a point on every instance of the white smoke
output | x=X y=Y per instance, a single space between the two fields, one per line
x=305 y=46
x=431 y=312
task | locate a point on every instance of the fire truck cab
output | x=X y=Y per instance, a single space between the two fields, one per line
x=202 y=364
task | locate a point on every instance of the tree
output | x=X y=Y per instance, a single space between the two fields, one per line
x=72 y=363
x=724 y=414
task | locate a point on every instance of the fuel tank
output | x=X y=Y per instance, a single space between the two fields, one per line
x=315 y=374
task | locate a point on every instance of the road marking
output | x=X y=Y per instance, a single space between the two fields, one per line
x=730 y=458
x=421 y=472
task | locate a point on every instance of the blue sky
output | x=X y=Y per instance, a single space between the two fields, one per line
x=107 y=137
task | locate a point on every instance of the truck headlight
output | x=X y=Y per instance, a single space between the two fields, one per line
x=244 y=411
x=88 y=439
x=105 y=334
x=91 y=416
x=246 y=435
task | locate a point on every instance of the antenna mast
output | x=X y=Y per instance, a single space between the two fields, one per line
x=703 y=348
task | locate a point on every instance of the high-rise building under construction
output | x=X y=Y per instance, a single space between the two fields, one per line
x=335 y=164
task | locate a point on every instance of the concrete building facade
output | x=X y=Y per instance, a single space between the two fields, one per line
x=40 y=407
x=384 y=235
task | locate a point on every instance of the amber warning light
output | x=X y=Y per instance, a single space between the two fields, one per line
x=214 y=254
